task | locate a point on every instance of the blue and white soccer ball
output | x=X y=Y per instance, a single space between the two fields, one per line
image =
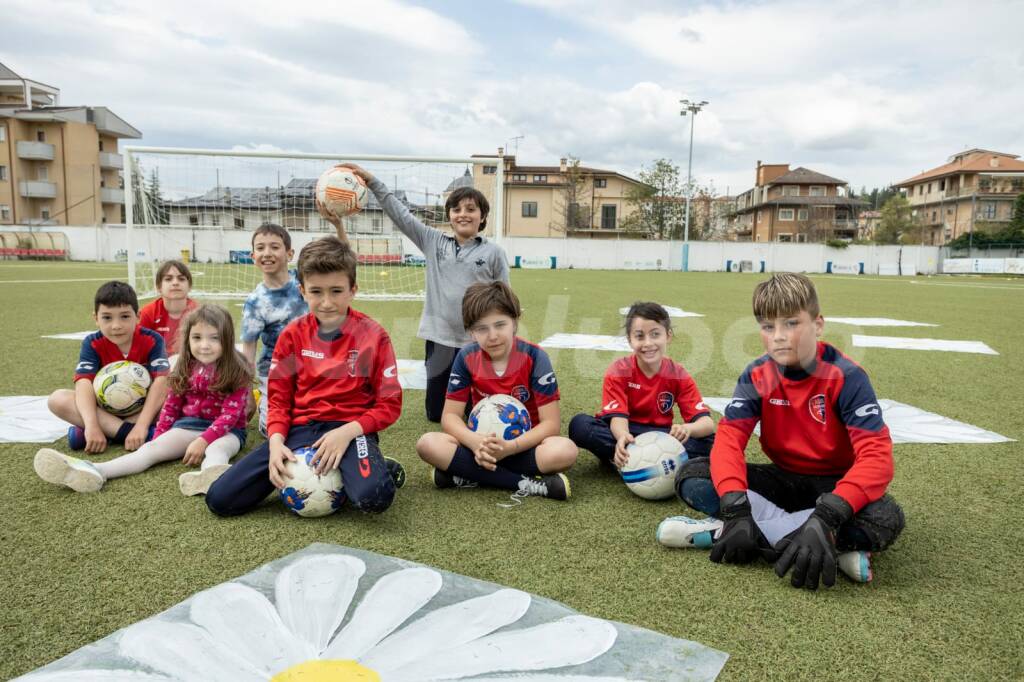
x=654 y=459
x=310 y=495
x=121 y=387
x=501 y=415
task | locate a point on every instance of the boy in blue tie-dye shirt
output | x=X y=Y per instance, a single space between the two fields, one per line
x=274 y=303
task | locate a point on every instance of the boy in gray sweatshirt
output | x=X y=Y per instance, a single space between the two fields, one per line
x=454 y=261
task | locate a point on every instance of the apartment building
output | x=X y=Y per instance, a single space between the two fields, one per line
x=59 y=165
x=566 y=200
x=973 y=190
x=798 y=205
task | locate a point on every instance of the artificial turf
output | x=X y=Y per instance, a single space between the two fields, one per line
x=946 y=602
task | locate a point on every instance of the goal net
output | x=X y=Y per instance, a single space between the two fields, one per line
x=202 y=206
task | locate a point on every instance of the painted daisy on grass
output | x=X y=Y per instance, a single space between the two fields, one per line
x=233 y=633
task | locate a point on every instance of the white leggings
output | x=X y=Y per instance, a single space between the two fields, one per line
x=169 y=446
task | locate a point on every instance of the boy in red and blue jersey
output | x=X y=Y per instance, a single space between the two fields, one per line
x=120 y=338
x=499 y=362
x=822 y=429
x=333 y=386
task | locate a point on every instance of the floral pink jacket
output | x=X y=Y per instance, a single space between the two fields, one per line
x=226 y=412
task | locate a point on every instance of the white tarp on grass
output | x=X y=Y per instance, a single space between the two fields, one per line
x=587 y=342
x=909 y=424
x=377 y=617
x=906 y=343
x=70 y=336
x=412 y=374
x=672 y=312
x=878 y=322
x=26 y=419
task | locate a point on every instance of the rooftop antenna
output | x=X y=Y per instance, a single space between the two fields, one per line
x=515 y=141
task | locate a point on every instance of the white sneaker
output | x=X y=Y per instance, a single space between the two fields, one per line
x=682 y=531
x=856 y=566
x=198 y=482
x=70 y=472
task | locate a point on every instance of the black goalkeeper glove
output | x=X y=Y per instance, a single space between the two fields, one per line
x=811 y=549
x=738 y=543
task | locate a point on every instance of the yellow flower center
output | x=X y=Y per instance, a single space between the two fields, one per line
x=326 y=671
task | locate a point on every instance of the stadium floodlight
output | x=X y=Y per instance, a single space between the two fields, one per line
x=693 y=108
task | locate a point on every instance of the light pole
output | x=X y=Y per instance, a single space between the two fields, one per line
x=693 y=108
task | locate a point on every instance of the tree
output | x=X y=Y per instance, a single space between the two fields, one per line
x=658 y=204
x=156 y=209
x=1015 y=230
x=571 y=206
x=896 y=221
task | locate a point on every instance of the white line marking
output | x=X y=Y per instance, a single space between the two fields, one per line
x=56 y=281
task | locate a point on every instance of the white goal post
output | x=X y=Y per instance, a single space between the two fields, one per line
x=203 y=205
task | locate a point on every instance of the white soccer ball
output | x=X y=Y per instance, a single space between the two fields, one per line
x=342 y=191
x=654 y=458
x=307 y=494
x=500 y=414
x=121 y=387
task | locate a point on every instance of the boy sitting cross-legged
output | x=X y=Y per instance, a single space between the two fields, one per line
x=821 y=503
x=499 y=362
x=120 y=337
x=333 y=386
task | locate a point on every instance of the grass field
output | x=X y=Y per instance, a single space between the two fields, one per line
x=946 y=603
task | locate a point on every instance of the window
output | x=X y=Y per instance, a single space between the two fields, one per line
x=540 y=178
x=786 y=214
x=801 y=214
x=3 y=133
x=920 y=190
x=785 y=237
x=600 y=182
x=988 y=210
x=490 y=170
x=802 y=238
x=41 y=136
x=942 y=185
x=817 y=191
x=45 y=213
x=608 y=217
x=3 y=172
x=240 y=224
x=935 y=216
x=790 y=191
x=101 y=145
x=5 y=212
x=519 y=177
x=42 y=173
x=529 y=209
x=103 y=183
x=193 y=220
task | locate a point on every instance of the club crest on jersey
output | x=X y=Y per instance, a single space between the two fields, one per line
x=353 y=355
x=665 y=402
x=817 y=407
x=520 y=393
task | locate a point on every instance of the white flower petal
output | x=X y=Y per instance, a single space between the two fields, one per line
x=314 y=592
x=446 y=628
x=392 y=600
x=569 y=641
x=185 y=651
x=544 y=677
x=94 y=676
x=242 y=620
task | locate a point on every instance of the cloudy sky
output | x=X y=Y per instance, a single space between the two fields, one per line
x=870 y=92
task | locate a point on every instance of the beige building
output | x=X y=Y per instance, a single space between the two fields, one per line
x=974 y=190
x=799 y=205
x=867 y=224
x=59 y=165
x=555 y=201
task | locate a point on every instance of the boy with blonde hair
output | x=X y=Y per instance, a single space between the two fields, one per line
x=831 y=455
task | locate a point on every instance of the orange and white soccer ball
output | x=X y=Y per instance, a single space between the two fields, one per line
x=342 y=191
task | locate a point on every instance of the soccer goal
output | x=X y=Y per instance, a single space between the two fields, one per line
x=203 y=205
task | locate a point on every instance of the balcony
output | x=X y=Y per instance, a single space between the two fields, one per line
x=37 y=189
x=111 y=160
x=35 y=151
x=111 y=195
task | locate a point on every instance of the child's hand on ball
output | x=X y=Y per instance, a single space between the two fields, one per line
x=621 y=455
x=359 y=171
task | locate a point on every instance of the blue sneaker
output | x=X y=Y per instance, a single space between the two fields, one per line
x=76 y=438
x=856 y=566
x=682 y=531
